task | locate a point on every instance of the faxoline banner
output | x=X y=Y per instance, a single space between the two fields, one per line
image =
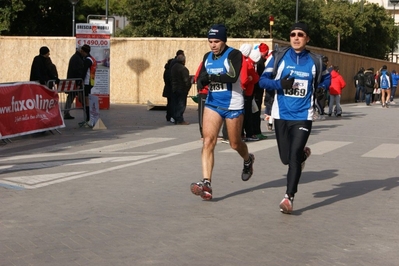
x=27 y=108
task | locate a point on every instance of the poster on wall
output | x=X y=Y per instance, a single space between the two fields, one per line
x=97 y=36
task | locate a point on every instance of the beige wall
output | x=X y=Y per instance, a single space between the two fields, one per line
x=137 y=64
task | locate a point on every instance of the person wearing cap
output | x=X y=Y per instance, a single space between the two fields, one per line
x=43 y=69
x=75 y=71
x=249 y=77
x=220 y=71
x=88 y=76
x=259 y=92
x=294 y=73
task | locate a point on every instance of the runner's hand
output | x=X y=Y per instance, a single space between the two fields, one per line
x=286 y=82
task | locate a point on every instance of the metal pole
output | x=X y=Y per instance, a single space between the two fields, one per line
x=393 y=43
x=73 y=20
x=297 y=11
x=106 y=11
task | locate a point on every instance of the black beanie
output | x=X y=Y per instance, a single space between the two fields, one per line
x=86 y=48
x=44 y=50
x=300 y=26
x=218 y=31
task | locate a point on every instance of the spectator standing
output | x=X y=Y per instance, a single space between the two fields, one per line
x=221 y=70
x=289 y=71
x=385 y=84
x=369 y=84
x=259 y=92
x=248 y=77
x=181 y=84
x=395 y=78
x=322 y=92
x=88 y=76
x=167 y=90
x=43 y=69
x=75 y=71
x=337 y=84
x=359 y=84
x=376 y=96
x=202 y=94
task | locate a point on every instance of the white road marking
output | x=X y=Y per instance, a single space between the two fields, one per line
x=35 y=179
x=324 y=147
x=180 y=148
x=84 y=174
x=384 y=151
x=127 y=145
x=66 y=162
x=255 y=146
x=29 y=156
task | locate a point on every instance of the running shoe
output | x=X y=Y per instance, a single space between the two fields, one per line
x=252 y=138
x=203 y=189
x=248 y=170
x=225 y=141
x=287 y=204
x=307 y=152
x=261 y=136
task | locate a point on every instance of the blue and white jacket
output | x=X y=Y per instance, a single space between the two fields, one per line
x=307 y=69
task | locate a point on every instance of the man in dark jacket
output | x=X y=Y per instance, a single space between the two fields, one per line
x=42 y=69
x=75 y=71
x=359 y=84
x=369 y=82
x=181 y=85
x=167 y=90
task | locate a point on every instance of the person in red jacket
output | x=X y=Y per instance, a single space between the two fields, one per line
x=337 y=84
x=249 y=77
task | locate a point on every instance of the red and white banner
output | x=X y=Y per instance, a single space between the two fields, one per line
x=27 y=108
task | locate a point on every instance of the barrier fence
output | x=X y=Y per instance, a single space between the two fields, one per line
x=69 y=93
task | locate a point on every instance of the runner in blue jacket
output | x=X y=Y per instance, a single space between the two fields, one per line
x=294 y=73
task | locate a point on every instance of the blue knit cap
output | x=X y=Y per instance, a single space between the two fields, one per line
x=218 y=31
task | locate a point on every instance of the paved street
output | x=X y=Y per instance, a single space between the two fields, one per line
x=121 y=196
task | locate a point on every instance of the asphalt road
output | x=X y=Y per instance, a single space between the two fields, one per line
x=120 y=196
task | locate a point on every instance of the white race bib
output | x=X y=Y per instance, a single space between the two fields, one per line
x=299 y=89
x=217 y=87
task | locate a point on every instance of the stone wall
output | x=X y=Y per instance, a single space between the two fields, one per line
x=137 y=64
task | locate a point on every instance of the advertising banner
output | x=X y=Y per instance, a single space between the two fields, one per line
x=97 y=36
x=27 y=108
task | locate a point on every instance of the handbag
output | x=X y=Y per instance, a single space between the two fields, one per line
x=377 y=91
x=254 y=106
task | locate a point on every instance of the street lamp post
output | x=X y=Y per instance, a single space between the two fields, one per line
x=74 y=2
x=394 y=2
x=271 y=23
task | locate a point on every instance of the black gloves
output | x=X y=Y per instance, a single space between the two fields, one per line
x=286 y=82
x=215 y=78
x=203 y=79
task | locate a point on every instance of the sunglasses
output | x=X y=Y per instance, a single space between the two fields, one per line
x=299 y=34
